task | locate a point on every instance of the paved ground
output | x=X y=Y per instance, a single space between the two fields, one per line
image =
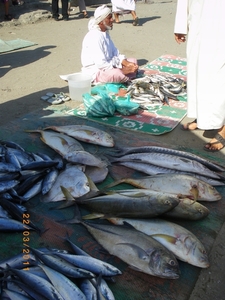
x=29 y=73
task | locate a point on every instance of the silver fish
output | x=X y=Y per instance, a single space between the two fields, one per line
x=149 y=149
x=73 y=179
x=85 y=158
x=137 y=249
x=168 y=161
x=133 y=203
x=183 y=243
x=188 y=209
x=86 y=134
x=45 y=288
x=61 y=143
x=64 y=285
x=184 y=186
x=92 y=264
x=150 y=169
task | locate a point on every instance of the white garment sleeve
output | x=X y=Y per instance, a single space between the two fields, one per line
x=181 y=18
x=107 y=57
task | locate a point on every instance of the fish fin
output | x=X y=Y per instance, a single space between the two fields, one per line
x=92 y=185
x=194 y=192
x=93 y=216
x=117 y=182
x=128 y=224
x=67 y=194
x=134 y=194
x=142 y=254
x=168 y=238
x=77 y=219
x=32 y=130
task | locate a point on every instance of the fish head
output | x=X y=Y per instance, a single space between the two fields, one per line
x=196 y=251
x=163 y=264
x=205 y=192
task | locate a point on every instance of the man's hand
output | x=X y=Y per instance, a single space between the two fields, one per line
x=128 y=67
x=180 y=37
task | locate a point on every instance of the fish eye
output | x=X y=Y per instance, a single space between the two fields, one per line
x=172 y=262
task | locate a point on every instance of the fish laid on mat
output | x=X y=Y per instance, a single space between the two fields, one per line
x=61 y=143
x=137 y=249
x=134 y=204
x=86 y=134
x=184 y=244
x=181 y=185
x=167 y=161
x=72 y=178
x=69 y=148
x=188 y=209
x=156 y=87
x=148 y=149
x=150 y=169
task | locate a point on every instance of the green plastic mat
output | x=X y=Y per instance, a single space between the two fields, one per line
x=155 y=120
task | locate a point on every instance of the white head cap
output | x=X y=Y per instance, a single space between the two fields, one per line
x=101 y=13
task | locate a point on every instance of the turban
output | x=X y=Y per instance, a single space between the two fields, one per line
x=101 y=13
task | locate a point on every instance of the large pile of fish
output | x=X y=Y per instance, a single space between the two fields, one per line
x=173 y=186
x=156 y=89
x=56 y=274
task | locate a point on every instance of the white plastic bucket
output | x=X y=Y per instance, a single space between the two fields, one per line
x=79 y=84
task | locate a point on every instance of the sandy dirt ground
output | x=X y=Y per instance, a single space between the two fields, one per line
x=29 y=73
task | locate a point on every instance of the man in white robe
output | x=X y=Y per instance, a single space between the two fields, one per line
x=99 y=56
x=120 y=7
x=204 y=22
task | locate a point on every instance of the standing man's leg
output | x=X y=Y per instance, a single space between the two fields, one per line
x=55 y=9
x=65 y=10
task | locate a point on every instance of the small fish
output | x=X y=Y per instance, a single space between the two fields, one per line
x=45 y=288
x=67 y=289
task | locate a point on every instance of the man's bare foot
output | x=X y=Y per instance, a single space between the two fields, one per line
x=190 y=126
x=218 y=142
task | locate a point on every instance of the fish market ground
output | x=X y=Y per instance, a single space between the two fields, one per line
x=30 y=73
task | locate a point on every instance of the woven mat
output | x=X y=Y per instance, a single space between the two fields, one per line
x=156 y=120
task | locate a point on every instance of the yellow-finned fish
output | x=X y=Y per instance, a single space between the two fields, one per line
x=86 y=134
x=185 y=186
x=183 y=243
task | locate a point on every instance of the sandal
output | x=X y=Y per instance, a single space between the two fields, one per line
x=220 y=140
x=188 y=126
x=135 y=23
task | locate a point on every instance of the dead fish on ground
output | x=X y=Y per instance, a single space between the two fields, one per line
x=184 y=186
x=120 y=151
x=86 y=134
x=72 y=178
x=188 y=209
x=183 y=243
x=61 y=143
x=137 y=249
x=133 y=203
x=167 y=161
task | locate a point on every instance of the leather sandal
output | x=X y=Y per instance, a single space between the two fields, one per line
x=188 y=125
x=135 y=22
x=220 y=140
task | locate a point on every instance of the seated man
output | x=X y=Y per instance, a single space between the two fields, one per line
x=99 y=56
